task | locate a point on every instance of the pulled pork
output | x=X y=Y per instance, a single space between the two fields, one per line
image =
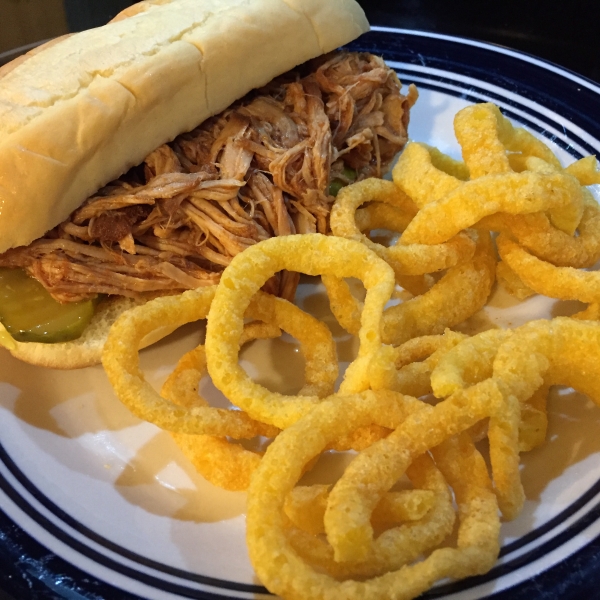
x=262 y=168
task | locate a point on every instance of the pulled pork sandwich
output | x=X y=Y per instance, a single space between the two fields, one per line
x=268 y=165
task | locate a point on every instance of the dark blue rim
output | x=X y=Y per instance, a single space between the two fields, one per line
x=501 y=570
x=100 y=558
x=544 y=86
x=477 y=93
x=555 y=88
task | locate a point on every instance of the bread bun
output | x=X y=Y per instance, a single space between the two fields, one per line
x=83 y=110
x=86 y=350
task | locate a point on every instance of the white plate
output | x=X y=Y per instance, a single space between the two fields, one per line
x=101 y=505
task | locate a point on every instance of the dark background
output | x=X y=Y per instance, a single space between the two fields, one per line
x=563 y=32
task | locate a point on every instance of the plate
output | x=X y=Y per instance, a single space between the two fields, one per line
x=98 y=505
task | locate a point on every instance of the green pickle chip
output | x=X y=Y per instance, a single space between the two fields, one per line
x=30 y=314
x=336 y=185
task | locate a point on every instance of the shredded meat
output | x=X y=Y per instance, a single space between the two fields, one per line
x=262 y=168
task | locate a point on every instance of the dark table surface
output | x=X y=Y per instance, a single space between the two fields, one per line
x=564 y=33
x=556 y=31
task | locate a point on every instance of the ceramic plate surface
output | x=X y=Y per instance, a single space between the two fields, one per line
x=98 y=505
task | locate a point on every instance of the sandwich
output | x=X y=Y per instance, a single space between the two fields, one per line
x=138 y=158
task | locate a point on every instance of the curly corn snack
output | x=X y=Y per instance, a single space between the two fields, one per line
x=417 y=396
x=312 y=254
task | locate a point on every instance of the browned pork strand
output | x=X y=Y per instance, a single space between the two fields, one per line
x=261 y=168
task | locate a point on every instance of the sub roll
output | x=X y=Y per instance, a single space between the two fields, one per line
x=138 y=158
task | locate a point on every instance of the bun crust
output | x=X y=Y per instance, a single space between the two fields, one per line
x=86 y=350
x=81 y=111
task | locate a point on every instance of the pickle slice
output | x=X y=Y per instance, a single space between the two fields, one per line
x=30 y=314
x=349 y=175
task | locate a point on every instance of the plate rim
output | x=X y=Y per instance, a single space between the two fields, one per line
x=539 y=62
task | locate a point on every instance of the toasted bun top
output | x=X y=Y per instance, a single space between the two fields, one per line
x=83 y=110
